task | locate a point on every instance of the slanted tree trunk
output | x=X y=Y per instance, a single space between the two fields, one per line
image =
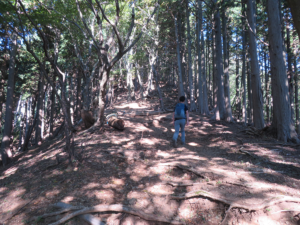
x=191 y=84
x=257 y=99
x=281 y=104
x=6 y=153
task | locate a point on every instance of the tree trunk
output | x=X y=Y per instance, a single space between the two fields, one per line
x=228 y=113
x=140 y=78
x=257 y=100
x=23 y=112
x=219 y=68
x=40 y=103
x=204 y=83
x=237 y=84
x=5 y=145
x=52 y=103
x=78 y=95
x=130 y=86
x=250 y=104
x=290 y=71
x=191 y=84
x=180 y=83
x=282 y=111
x=244 y=65
x=199 y=54
x=296 y=96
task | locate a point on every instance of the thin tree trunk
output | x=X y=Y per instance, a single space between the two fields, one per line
x=40 y=102
x=191 y=84
x=244 y=65
x=22 y=123
x=52 y=110
x=296 y=96
x=5 y=145
x=204 y=83
x=257 y=100
x=237 y=84
x=180 y=83
x=198 y=42
x=290 y=71
x=78 y=95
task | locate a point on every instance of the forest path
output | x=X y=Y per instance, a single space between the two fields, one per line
x=139 y=168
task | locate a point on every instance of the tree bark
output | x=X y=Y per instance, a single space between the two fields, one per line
x=228 y=113
x=290 y=73
x=52 y=110
x=282 y=109
x=180 y=83
x=40 y=103
x=219 y=88
x=6 y=153
x=257 y=100
x=244 y=65
x=199 y=54
x=191 y=84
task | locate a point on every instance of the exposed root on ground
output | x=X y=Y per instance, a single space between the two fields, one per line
x=239 y=203
x=116 y=208
x=191 y=170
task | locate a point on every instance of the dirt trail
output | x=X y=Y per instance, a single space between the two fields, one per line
x=232 y=174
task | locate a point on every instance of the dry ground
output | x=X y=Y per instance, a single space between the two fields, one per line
x=138 y=168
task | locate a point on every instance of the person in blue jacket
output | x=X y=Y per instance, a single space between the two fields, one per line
x=180 y=118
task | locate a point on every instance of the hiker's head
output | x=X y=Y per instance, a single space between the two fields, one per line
x=182 y=99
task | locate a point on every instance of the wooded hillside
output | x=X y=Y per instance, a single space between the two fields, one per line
x=65 y=67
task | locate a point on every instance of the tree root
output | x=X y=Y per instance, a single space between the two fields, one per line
x=238 y=203
x=191 y=170
x=71 y=208
x=248 y=153
x=116 y=208
x=87 y=217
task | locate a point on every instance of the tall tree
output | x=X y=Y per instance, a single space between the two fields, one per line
x=257 y=100
x=199 y=55
x=228 y=113
x=5 y=144
x=190 y=71
x=282 y=109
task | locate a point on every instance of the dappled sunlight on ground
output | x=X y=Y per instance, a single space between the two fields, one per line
x=135 y=167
